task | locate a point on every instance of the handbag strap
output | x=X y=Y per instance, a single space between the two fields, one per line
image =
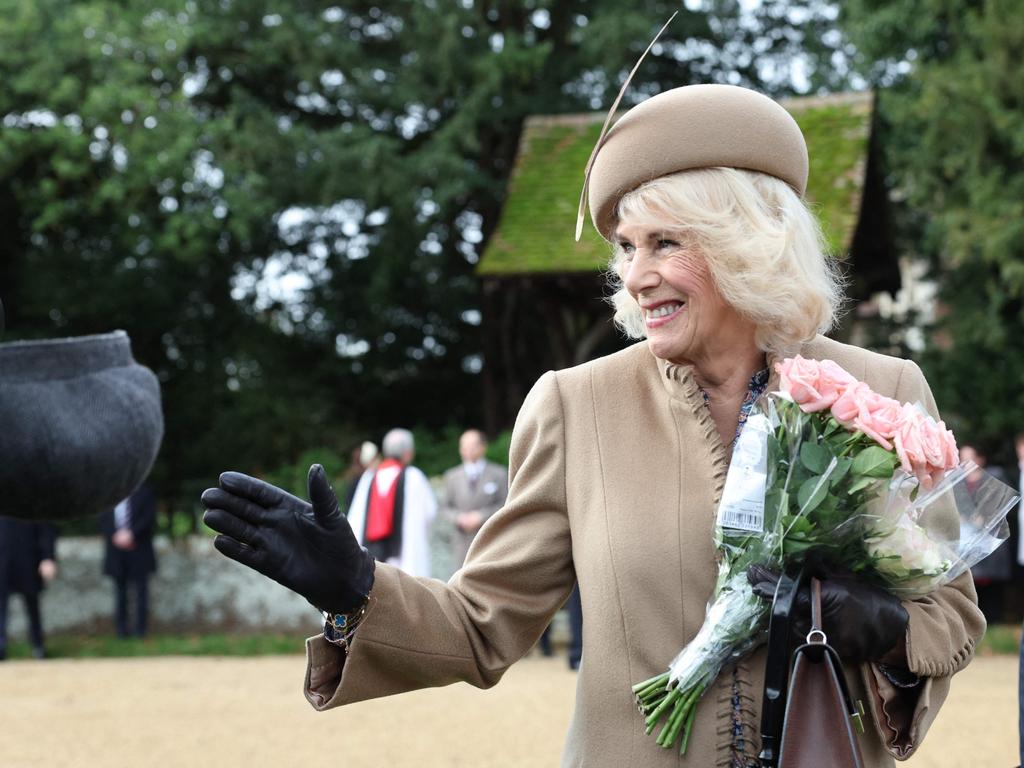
x=817 y=643
x=776 y=677
x=817 y=635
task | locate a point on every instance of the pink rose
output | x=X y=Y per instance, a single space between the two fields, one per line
x=908 y=440
x=951 y=458
x=813 y=385
x=860 y=407
x=834 y=376
x=923 y=444
x=848 y=405
x=939 y=445
x=879 y=418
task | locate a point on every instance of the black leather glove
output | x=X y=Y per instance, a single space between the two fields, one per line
x=862 y=622
x=309 y=548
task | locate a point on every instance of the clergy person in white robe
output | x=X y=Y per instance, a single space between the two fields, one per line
x=393 y=507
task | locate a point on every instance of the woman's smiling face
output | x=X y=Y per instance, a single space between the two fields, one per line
x=684 y=314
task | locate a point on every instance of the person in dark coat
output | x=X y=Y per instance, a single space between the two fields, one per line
x=129 y=558
x=27 y=561
x=993 y=573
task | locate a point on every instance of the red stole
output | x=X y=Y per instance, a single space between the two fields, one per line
x=380 y=513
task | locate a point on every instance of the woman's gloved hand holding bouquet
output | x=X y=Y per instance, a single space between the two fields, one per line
x=828 y=472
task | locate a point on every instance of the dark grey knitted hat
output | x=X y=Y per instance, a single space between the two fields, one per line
x=80 y=425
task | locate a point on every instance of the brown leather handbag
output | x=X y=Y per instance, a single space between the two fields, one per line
x=819 y=725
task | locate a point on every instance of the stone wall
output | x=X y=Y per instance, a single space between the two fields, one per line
x=195 y=590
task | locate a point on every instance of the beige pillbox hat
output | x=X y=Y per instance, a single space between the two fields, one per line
x=696 y=126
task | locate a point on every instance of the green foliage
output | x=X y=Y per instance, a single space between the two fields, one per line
x=814 y=457
x=161 y=166
x=498 y=448
x=874 y=461
x=819 y=476
x=437 y=451
x=293 y=477
x=954 y=143
x=179 y=523
x=1000 y=639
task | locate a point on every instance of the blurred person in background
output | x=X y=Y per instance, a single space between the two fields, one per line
x=1018 y=444
x=27 y=564
x=393 y=507
x=991 y=574
x=363 y=457
x=473 y=491
x=129 y=558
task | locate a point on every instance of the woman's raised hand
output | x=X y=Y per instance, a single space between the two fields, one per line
x=307 y=547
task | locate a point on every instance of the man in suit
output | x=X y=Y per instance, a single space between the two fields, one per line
x=474 y=491
x=129 y=558
x=27 y=561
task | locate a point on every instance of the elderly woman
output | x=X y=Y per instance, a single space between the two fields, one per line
x=617 y=467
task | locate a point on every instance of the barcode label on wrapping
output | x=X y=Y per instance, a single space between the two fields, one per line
x=744 y=520
x=742 y=505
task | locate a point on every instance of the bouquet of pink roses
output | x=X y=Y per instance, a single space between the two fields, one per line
x=828 y=467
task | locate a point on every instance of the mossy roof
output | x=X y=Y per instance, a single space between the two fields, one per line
x=535 y=233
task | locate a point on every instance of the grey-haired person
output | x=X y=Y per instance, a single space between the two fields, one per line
x=393 y=507
x=616 y=467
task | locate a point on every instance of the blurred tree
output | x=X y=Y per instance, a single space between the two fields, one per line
x=954 y=138
x=283 y=202
x=117 y=213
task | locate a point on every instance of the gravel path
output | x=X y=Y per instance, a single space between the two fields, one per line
x=250 y=712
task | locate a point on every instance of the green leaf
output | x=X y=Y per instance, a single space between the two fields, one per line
x=811 y=494
x=815 y=457
x=874 y=461
x=772 y=502
x=861 y=484
x=842 y=467
x=791 y=547
x=797 y=525
x=783 y=503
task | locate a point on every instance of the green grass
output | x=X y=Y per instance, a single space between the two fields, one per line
x=1000 y=639
x=100 y=646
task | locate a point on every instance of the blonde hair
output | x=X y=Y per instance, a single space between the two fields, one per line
x=763 y=247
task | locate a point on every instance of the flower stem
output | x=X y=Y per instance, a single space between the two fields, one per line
x=689 y=727
x=658 y=681
x=682 y=716
x=690 y=707
x=645 y=689
x=652 y=719
x=668 y=733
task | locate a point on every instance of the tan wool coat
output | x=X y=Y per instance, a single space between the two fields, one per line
x=616 y=469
